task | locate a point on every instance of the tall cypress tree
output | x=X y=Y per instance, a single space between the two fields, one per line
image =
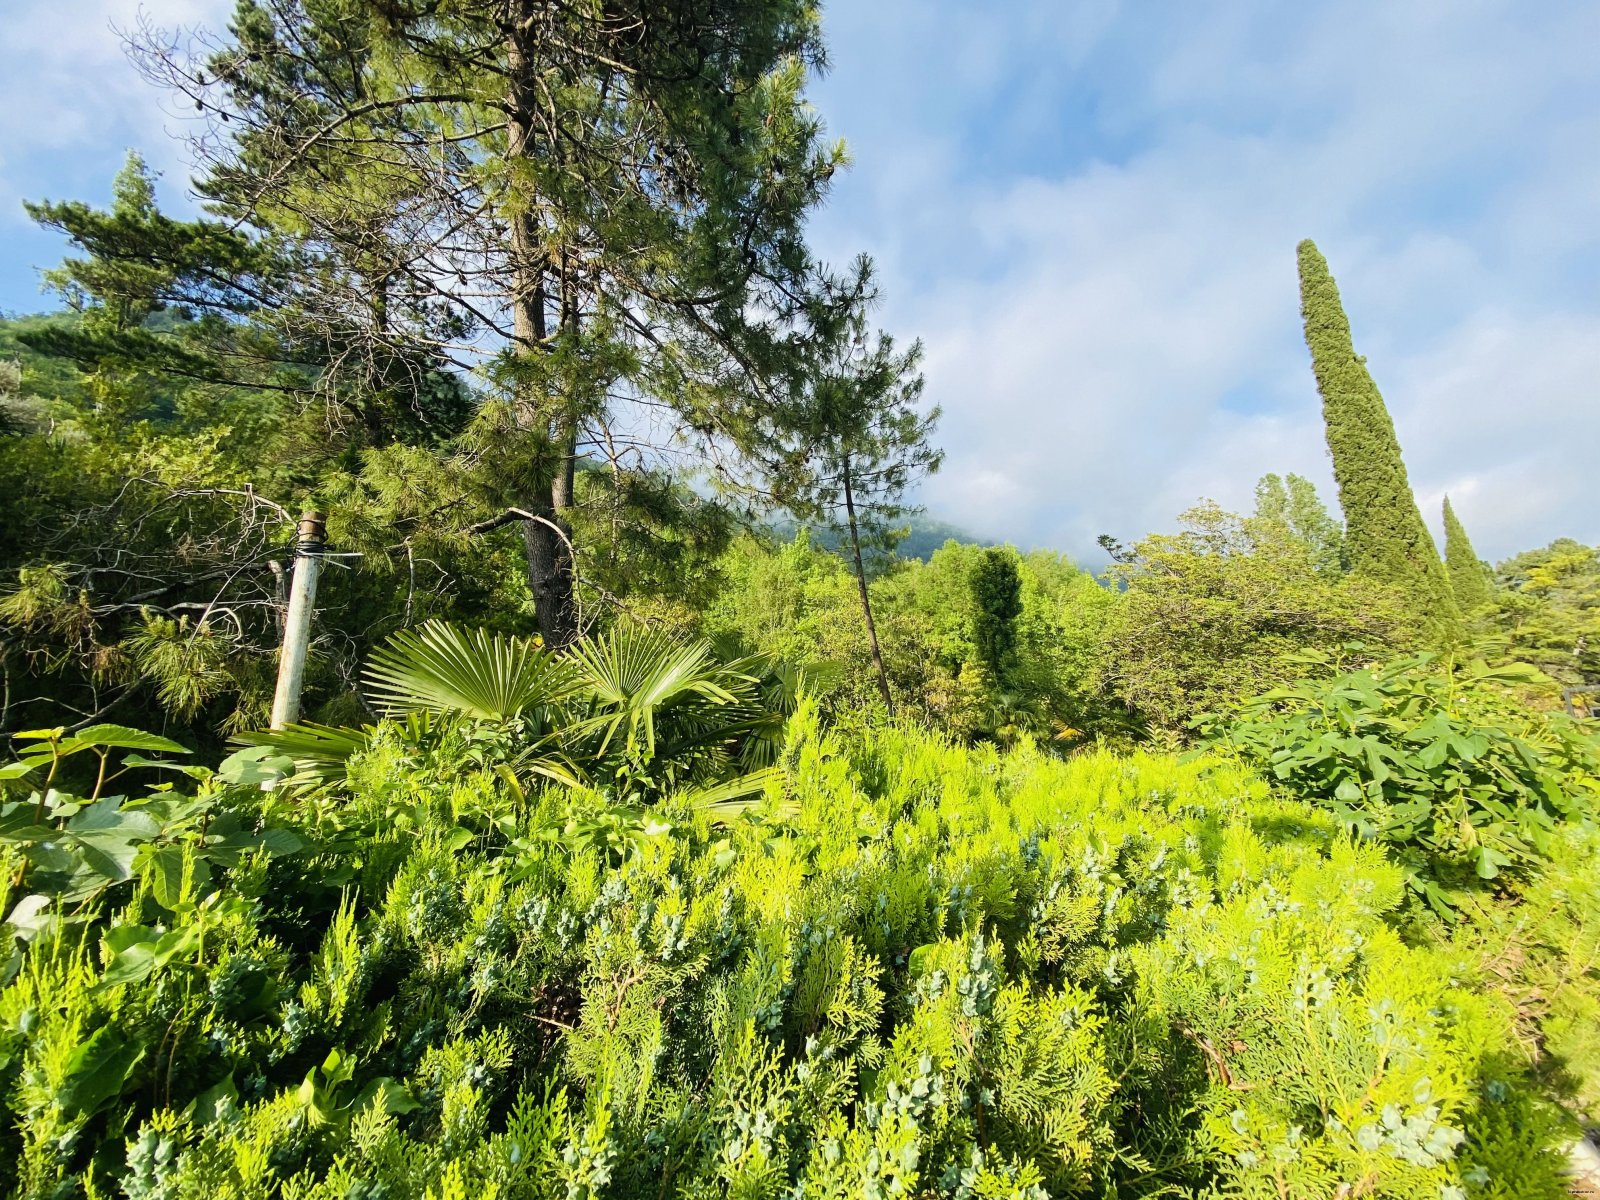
x=1469 y=580
x=1384 y=534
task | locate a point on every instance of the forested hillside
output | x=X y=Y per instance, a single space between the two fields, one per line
x=674 y=809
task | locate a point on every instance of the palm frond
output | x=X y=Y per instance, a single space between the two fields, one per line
x=636 y=673
x=783 y=683
x=724 y=801
x=446 y=668
x=319 y=752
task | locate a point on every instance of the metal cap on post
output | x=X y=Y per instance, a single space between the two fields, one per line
x=297 y=623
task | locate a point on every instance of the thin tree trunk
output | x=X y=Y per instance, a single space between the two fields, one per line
x=866 y=599
x=548 y=550
x=372 y=415
x=563 y=486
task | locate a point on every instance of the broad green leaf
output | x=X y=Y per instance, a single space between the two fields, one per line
x=393 y=1095
x=1434 y=753
x=213 y=1103
x=108 y=816
x=165 y=865
x=255 y=765
x=97 y=1071
x=278 y=842
x=1490 y=861
x=121 y=737
x=137 y=952
x=107 y=855
x=23 y=766
x=192 y=770
x=30 y=915
x=917 y=963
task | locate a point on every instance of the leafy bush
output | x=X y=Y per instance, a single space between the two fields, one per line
x=800 y=604
x=950 y=972
x=1426 y=756
x=1225 y=609
x=635 y=713
x=63 y=852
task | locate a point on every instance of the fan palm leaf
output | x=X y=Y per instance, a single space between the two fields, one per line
x=446 y=668
x=724 y=801
x=319 y=752
x=635 y=674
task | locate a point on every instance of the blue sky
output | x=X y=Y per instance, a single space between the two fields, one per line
x=1088 y=212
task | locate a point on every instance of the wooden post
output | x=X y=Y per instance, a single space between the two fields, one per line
x=297 y=625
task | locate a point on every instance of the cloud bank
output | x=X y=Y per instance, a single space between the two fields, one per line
x=1091 y=223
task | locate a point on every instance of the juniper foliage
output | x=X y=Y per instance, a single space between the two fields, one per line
x=1469 y=575
x=997 y=601
x=952 y=972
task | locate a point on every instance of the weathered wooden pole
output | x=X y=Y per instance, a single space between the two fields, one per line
x=297 y=624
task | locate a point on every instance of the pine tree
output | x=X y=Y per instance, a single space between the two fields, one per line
x=588 y=206
x=849 y=445
x=1384 y=535
x=1469 y=578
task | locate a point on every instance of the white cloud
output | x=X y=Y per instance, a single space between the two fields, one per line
x=1511 y=404
x=1115 y=335
x=72 y=100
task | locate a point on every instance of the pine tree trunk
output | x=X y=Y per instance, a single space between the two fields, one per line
x=546 y=541
x=866 y=598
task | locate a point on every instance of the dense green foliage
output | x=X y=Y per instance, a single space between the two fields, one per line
x=799 y=604
x=997 y=603
x=1222 y=611
x=1292 y=503
x=947 y=972
x=632 y=848
x=1547 y=608
x=1469 y=575
x=1428 y=757
x=636 y=714
x=1384 y=534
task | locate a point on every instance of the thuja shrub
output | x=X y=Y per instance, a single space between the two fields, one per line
x=918 y=970
x=1540 y=947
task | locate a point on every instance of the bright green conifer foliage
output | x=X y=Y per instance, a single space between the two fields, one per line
x=1469 y=579
x=1385 y=536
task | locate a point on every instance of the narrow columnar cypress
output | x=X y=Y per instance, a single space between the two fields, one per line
x=1385 y=536
x=1469 y=578
x=997 y=590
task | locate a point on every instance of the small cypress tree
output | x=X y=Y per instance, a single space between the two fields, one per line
x=1385 y=538
x=1469 y=578
x=997 y=591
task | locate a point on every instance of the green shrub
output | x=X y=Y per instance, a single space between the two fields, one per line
x=1225 y=608
x=949 y=972
x=1540 y=948
x=1428 y=757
